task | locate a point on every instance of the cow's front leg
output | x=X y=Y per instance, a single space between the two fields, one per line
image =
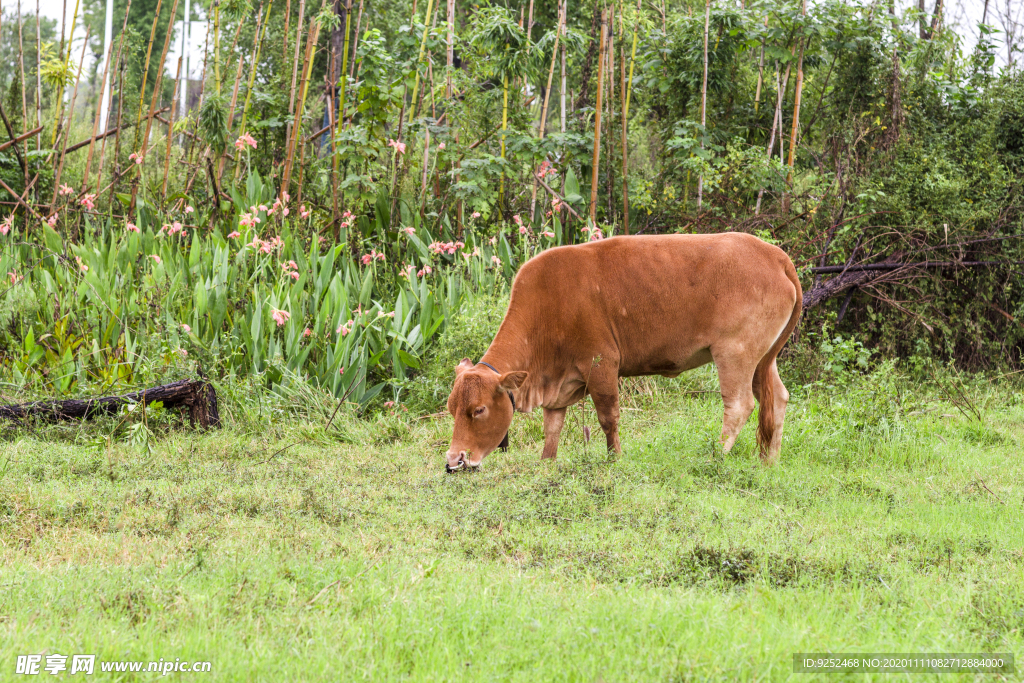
x=554 y=418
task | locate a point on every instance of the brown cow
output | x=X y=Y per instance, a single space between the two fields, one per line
x=580 y=317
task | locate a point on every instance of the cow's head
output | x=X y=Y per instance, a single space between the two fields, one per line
x=482 y=409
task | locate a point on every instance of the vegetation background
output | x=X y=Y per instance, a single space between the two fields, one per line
x=333 y=219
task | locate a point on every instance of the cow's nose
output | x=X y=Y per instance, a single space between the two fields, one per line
x=459 y=464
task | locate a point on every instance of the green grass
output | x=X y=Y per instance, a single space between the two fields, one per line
x=350 y=555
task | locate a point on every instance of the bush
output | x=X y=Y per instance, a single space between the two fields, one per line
x=467 y=337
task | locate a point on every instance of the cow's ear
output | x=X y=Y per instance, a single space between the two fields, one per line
x=511 y=381
x=464 y=364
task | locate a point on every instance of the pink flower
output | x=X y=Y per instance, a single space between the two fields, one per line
x=183 y=353
x=186 y=328
x=52 y=220
x=492 y=241
x=544 y=169
x=81 y=266
x=189 y=209
x=596 y=235
x=14 y=278
x=475 y=214
x=389 y=404
x=374 y=255
x=289 y=265
x=65 y=190
x=88 y=201
x=523 y=230
x=344 y=328
x=556 y=204
x=406 y=270
x=263 y=207
x=440 y=146
x=426 y=270
x=347 y=214
x=399 y=146
x=232 y=235
x=295 y=276
x=341 y=370
x=409 y=231
x=136 y=157
x=8 y=223
x=243 y=140
x=279 y=316
x=131 y=227
x=496 y=260
x=307 y=332
x=156 y=259
x=285 y=211
x=517 y=219
x=548 y=233
x=246 y=220
x=303 y=213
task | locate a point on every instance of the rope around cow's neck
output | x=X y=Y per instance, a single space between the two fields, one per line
x=504 y=442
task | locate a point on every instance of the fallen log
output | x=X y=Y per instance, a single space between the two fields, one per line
x=197 y=395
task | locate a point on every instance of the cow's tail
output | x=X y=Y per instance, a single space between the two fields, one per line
x=763 y=380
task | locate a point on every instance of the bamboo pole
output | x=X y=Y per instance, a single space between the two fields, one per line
x=562 y=88
x=145 y=74
x=610 y=56
x=252 y=77
x=597 y=121
x=625 y=152
x=311 y=41
x=632 y=60
x=152 y=102
x=170 y=128
x=704 y=100
x=71 y=117
x=780 y=88
x=796 y=101
x=117 y=140
x=21 y=68
x=760 y=70
x=344 y=59
x=120 y=48
x=544 y=108
x=238 y=78
x=39 y=78
x=67 y=62
x=96 y=120
x=355 y=42
x=339 y=117
x=295 y=71
x=450 y=50
x=216 y=45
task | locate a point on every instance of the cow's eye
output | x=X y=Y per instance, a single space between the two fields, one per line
x=479 y=411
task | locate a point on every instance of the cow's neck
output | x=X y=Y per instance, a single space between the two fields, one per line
x=511 y=350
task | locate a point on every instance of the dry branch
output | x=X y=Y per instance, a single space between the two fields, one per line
x=197 y=395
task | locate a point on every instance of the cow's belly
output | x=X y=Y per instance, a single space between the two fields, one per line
x=665 y=364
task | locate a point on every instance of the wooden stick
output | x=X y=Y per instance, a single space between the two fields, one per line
x=355 y=41
x=311 y=41
x=23 y=136
x=597 y=120
x=113 y=131
x=19 y=199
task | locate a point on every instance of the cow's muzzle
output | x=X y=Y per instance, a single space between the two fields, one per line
x=461 y=464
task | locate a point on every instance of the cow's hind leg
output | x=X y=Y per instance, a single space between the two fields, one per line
x=780 y=398
x=735 y=379
x=553 y=421
x=604 y=389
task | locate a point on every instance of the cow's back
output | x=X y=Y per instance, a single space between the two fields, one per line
x=659 y=302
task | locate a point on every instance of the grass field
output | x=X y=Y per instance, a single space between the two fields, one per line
x=279 y=551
